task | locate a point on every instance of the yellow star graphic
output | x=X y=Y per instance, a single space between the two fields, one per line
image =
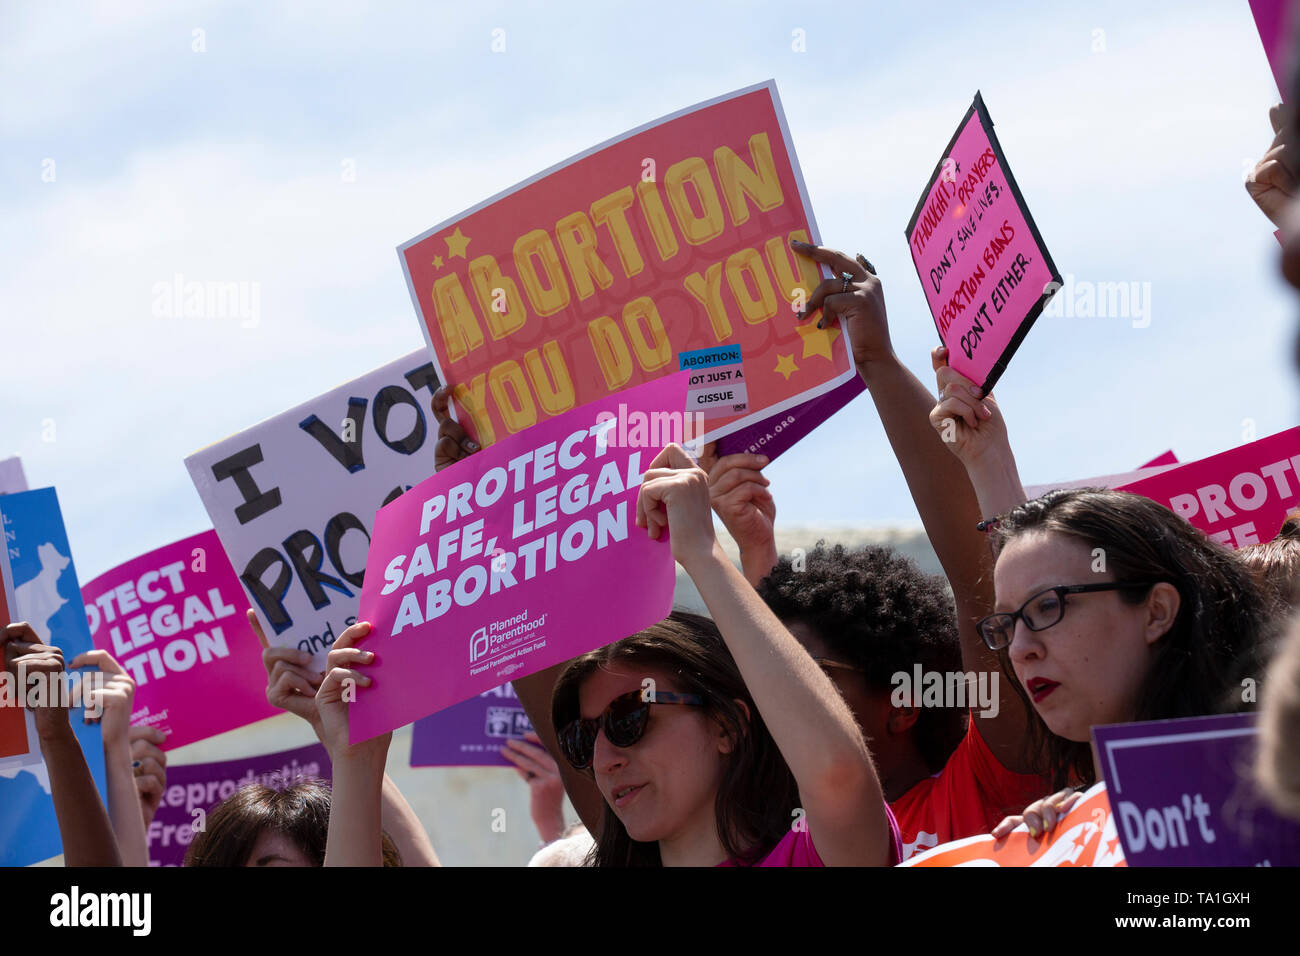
x=456 y=244
x=785 y=365
x=817 y=341
x=437 y=262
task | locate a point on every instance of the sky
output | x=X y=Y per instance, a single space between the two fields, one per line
x=295 y=145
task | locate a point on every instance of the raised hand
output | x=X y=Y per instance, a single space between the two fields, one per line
x=453 y=444
x=674 y=496
x=149 y=764
x=738 y=491
x=968 y=421
x=1272 y=183
x=290 y=683
x=338 y=689
x=860 y=309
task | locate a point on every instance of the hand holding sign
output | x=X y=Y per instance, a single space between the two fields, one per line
x=290 y=683
x=112 y=698
x=453 y=444
x=26 y=657
x=339 y=689
x=860 y=307
x=675 y=495
x=150 y=766
x=1041 y=816
x=1272 y=183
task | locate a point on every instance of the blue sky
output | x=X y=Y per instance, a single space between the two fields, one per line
x=226 y=165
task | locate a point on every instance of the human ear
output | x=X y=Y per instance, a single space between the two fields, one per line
x=727 y=736
x=1162 y=609
x=900 y=720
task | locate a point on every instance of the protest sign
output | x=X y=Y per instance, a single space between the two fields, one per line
x=519 y=557
x=1273 y=21
x=775 y=435
x=1155 y=466
x=14 y=737
x=1085 y=836
x=1183 y=794
x=1167 y=458
x=664 y=249
x=986 y=271
x=11 y=476
x=195 y=789
x=174 y=618
x=471 y=733
x=1237 y=497
x=292 y=499
x=37 y=563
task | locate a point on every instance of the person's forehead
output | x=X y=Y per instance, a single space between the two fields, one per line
x=273 y=843
x=614 y=680
x=1039 y=559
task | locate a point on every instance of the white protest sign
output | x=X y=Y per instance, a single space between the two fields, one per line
x=293 y=499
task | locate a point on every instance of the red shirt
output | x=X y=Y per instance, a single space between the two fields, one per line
x=968 y=797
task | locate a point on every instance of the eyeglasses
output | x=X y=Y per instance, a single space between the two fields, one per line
x=624 y=722
x=1043 y=610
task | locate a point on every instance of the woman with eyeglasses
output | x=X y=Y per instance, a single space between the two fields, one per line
x=1109 y=607
x=717 y=742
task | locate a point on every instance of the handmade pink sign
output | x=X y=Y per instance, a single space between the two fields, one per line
x=174 y=618
x=1238 y=497
x=985 y=269
x=522 y=556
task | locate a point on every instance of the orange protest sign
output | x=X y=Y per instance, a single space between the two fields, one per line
x=1085 y=837
x=665 y=249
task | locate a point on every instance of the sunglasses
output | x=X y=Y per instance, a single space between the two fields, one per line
x=624 y=722
x=1043 y=610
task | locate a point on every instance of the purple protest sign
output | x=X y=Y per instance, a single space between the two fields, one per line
x=471 y=733
x=1179 y=794
x=777 y=434
x=201 y=786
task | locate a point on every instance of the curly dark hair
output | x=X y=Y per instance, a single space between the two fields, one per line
x=1217 y=635
x=878 y=611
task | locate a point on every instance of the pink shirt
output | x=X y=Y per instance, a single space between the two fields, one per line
x=796 y=848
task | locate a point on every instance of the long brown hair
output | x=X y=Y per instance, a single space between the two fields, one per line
x=1216 y=634
x=757 y=796
x=300 y=812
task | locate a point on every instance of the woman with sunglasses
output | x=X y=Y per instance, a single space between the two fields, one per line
x=1109 y=608
x=717 y=743
x=709 y=744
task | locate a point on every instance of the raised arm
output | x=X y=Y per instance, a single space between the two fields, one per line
x=292 y=687
x=938 y=481
x=356 y=803
x=811 y=724
x=113 y=702
x=738 y=490
x=84 y=826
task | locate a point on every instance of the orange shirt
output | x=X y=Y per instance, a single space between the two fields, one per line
x=969 y=796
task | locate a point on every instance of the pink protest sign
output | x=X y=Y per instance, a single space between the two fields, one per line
x=517 y=558
x=1238 y=497
x=1273 y=21
x=984 y=267
x=174 y=618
